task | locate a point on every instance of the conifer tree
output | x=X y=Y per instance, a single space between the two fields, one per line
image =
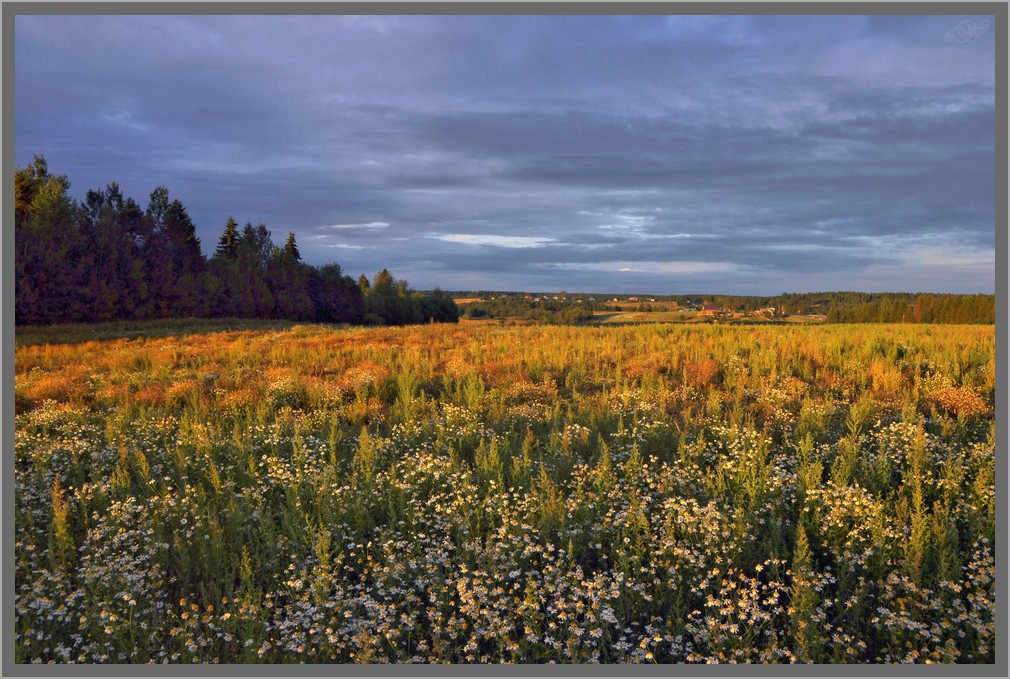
x=227 y=245
x=291 y=248
x=383 y=283
x=255 y=247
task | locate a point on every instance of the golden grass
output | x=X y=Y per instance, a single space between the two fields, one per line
x=69 y=383
x=959 y=401
x=309 y=366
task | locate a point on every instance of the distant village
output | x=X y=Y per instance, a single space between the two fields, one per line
x=635 y=303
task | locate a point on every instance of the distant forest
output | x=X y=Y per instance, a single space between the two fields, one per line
x=549 y=312
x=106 y=259
x=875 y=307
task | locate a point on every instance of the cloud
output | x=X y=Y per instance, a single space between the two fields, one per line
x=496 y=241
x=368 y=225
x=745 y=153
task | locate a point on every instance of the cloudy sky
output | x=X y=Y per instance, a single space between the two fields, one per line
x=665 y=154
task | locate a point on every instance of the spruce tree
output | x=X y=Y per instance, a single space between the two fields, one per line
x=227 y=245
x=291 y=248
x=255 y=247
x=382 y=284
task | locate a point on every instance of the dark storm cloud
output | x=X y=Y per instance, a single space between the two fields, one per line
x=746 y=154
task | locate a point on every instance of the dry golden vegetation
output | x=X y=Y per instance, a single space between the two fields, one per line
x=477 y=493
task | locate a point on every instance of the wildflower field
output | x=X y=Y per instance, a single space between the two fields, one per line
x=444 y=493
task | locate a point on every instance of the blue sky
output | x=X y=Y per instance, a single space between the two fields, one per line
x=663 y=154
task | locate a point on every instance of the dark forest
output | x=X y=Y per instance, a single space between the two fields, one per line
x=107 y=259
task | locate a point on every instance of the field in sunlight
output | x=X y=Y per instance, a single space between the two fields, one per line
x=488 y=493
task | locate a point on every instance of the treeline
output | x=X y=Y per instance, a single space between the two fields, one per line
x=917 y=308
x=539 y=311
x=107 y=259
x=874 y=307
x=865 y=307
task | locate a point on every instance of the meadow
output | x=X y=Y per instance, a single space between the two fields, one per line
x=444 y=493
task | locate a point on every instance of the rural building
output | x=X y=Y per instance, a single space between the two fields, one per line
x=709 y=310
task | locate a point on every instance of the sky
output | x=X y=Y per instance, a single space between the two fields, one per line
x=661 y=154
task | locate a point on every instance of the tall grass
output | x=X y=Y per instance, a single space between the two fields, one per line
x=522 y=494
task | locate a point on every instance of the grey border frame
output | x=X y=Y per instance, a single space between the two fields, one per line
x=273 y=7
